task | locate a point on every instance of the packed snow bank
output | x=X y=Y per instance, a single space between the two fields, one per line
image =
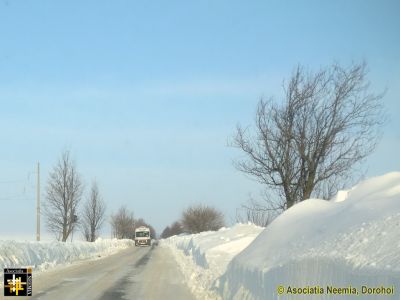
x=204 y=257
x=351 y=241
x=44 y=255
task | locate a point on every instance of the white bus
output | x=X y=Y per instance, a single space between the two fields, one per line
x=142 y=236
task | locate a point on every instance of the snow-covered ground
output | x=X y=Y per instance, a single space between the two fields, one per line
x=45 y=255
x=203 y=257
x=348 y=242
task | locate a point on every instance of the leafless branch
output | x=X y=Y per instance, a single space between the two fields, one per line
x=309 y=143
x=200 y=218
x=123 y=224
x=93 y=214
x=64 y=191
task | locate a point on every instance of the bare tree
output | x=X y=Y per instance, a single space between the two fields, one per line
x=200 y=218
x=166 y=233
x=309 y=143
x=123 y=224
x=174 y=229
x=64 y=191
x=255 y=213
x=93 y=214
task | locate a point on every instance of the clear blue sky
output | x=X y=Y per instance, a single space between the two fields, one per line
x=145 y=94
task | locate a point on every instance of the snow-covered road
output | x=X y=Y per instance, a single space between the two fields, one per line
x=133 y=273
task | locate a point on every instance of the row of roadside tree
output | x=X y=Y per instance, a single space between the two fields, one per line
x=65 y=214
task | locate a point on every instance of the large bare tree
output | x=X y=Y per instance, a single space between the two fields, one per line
x=64 y=191
x=309 y=143
x=93 y=214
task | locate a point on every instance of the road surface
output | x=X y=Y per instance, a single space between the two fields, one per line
x=134 y=273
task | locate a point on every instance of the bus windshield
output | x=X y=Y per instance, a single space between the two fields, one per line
x=142 y=234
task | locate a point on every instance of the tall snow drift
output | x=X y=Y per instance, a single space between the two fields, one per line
x=352 y=240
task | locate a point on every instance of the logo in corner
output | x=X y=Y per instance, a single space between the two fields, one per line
x=18 y=282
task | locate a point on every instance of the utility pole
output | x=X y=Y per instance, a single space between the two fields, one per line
x=38 y=203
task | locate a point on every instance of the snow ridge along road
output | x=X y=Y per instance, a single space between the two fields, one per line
x=133 y=273
x=350 y=243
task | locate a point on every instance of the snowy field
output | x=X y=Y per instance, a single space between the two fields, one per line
x=44 y=255
x=339 y=245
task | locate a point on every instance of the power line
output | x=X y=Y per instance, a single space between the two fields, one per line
x=14 y=181
x=27 y=179
x=23 y=185
x=16 y=197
